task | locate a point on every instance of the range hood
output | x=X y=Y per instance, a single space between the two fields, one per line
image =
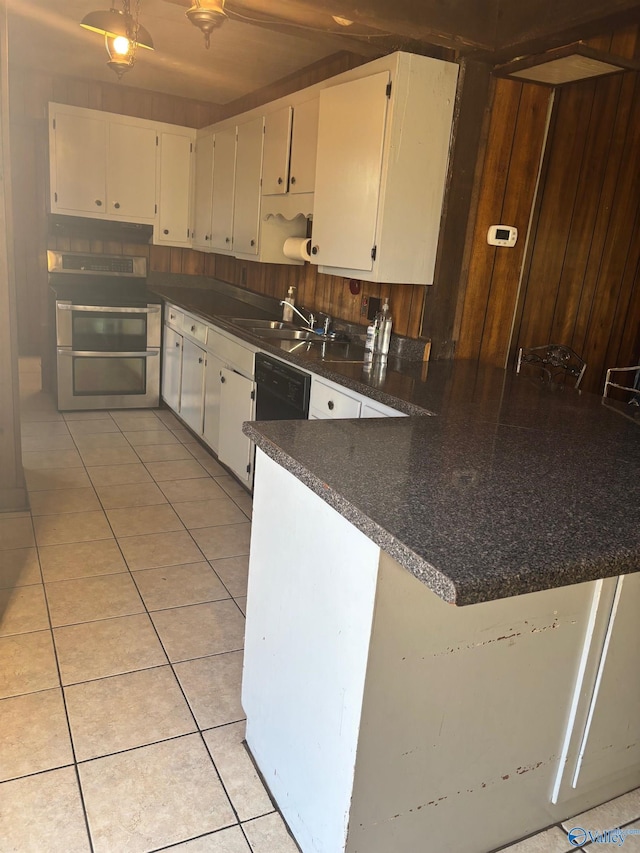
x=99 y=229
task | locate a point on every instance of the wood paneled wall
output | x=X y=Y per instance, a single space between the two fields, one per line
x=582 y=281
x=581 y=277
x=514 y=146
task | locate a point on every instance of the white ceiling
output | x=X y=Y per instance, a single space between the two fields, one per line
x=243 y=56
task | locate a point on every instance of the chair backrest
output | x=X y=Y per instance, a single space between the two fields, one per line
x=554 y=362
x=632 y=388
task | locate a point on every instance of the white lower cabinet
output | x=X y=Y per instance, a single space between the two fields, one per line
x=171 y=368
x=329 y=400
x=192 y=392
x=371 y=409
x=237 y=404
x=212 y=387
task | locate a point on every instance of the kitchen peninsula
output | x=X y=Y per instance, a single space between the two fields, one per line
x=442 y=631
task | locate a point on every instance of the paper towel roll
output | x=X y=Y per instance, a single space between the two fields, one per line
x=297 y=248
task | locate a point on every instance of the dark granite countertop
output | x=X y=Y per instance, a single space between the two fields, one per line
x=399 y=384
x=514 y=487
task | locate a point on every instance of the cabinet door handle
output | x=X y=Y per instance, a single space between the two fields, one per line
x=116 y=204
x=98 y=202
x=253 y=242
x=206 y=236
x=279 y=180
x=200 y=360
x=315 y=250
x=222 y=379
x=165 y=231
x=292 y=180
x=330 y=405
x=193 y=328
x=177 y=344
x=227 y=239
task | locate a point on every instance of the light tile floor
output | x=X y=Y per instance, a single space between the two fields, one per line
x=121 y=633
x=122 y=598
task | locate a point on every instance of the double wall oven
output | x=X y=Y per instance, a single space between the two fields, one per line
x=108 y=332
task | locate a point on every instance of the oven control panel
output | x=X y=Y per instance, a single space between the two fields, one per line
x=85 y=264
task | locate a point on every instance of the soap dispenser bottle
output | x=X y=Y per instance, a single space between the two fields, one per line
x=289 y=300
x=385 y=322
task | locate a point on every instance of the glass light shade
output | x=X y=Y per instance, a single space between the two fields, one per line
x=114 y=23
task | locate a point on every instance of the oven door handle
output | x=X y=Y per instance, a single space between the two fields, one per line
x=99 y=354
x=69 y=306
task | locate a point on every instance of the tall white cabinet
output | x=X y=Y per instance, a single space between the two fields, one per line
x=351 y=138
x=382 y=160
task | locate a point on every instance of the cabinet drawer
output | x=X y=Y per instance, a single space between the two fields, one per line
x=231 y=352
x=332 y=403
x=174 y=318
x=194 y=328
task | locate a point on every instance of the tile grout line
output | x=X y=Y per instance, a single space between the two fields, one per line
x=199 y=730
x=170 y=662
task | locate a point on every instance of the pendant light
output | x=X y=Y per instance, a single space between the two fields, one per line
x=207 y=15
x=123 y=34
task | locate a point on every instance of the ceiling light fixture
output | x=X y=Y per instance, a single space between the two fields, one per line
x=567 y=64
x=122 y=32
x=207 y=15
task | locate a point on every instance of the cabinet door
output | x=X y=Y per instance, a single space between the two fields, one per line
x=203 y=193
x=212 y=387
x=78 y=164
x=277 y=144
x=171 y=368
x=131 y=172
x=192 y=392
x=224 y=170
x=174 y=194
x=236 y=405
x=304 y=142
x=378 y=410
x=351 y=130
x=246 y=207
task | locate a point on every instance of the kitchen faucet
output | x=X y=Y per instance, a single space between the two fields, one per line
x=310 y=320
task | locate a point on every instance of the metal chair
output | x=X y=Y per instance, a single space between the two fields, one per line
x=555 y=362
x=633 y=389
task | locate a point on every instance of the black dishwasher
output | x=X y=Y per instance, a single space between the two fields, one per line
x=282 y=391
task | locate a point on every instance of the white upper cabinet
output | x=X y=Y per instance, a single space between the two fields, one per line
x=224 y=175
x=350 y=144
x=102 y=165
x=277 y=145
x=290 y=140
x=131 y=172
x=78 y=162
x=203 y=192
x=382 y=159
x=304 y=140
x=173 y=222
x=246 y=207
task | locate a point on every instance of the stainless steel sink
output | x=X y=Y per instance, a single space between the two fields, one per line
x=289 y=334
x=259 y=325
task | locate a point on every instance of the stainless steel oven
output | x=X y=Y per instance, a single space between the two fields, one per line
x=108 y=334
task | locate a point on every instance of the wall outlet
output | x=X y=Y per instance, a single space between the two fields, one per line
x=374 y=307
x=364 y=306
